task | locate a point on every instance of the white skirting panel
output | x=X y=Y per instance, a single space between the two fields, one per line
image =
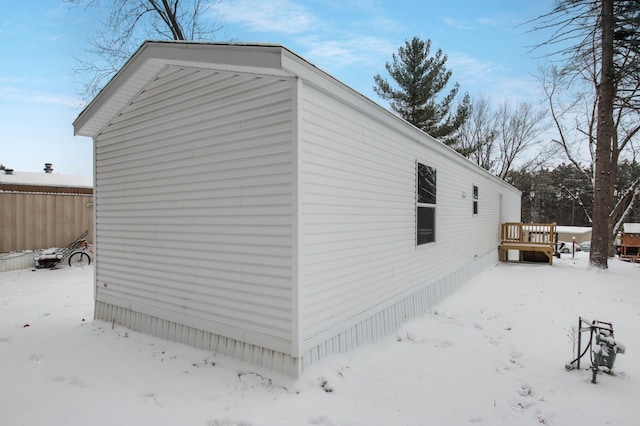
x=170 y=330
x=17 y=260
x=382 y=324
x=376 y=327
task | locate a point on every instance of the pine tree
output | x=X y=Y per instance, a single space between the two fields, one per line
x=420 y=78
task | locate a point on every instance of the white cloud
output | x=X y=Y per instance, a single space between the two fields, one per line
x=9 y=80
x=19 y=95
x=340 y=46
x=58 y=12
x=472 y=68
x=328 y=44
x=477 y=76
x=280 y=16
x=494 y=22
x=457 y=24
x=350 y=49
x=478 y=23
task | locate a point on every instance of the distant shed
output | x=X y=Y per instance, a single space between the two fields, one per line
x=629 y=241
x=582 y=234
x=250 y=204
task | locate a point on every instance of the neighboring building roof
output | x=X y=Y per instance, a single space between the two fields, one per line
x=631 y=228
x=577 y=230
x=45 y=182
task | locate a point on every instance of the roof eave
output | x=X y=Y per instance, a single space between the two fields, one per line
x=152 y=56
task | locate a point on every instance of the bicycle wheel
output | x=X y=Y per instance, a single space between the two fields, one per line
x=79 y=259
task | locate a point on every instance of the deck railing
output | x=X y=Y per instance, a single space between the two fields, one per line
x=527 y=237
x=528 y=233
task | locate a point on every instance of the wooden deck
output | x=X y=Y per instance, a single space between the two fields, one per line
x=527 y=238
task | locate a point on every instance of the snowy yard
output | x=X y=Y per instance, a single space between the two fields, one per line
x=492 y=354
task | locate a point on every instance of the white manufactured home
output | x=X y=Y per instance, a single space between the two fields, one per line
x=248 y=203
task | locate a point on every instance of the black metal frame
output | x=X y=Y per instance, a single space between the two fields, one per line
x=62 y=253
x=594 y=328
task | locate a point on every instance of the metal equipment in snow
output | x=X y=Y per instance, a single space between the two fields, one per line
x=604 y=347
x=51 y=257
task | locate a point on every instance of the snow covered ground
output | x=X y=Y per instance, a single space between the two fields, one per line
x=492 y=354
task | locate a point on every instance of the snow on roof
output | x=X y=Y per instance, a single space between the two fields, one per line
x=631 y=228
x=576 y=230
x=46 y=179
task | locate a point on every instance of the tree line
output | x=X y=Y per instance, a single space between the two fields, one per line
x=564 y=194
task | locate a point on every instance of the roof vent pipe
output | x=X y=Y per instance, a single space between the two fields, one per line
x=48 y=168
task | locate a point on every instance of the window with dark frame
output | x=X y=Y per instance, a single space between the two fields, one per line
x=426 y=204
x=475 y=199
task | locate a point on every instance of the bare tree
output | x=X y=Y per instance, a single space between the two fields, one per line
x=499 y=139
x=519 y=129
x=128 y=23
x=478 y=134
x=573 y=117
x=602 y=39
x=580 y=109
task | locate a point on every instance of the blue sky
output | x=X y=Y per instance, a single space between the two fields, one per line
x=486 y=42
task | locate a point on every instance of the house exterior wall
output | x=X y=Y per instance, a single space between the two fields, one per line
x=194 y=206
x=361 y=272
x=270 y=214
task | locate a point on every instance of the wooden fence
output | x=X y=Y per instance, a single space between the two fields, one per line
x=32 y=221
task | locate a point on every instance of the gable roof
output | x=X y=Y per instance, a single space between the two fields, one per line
x=152 y=56
x=253 y=58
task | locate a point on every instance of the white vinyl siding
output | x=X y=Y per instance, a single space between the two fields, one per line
x=250 y=204
x=358 y=206
x=194 y=204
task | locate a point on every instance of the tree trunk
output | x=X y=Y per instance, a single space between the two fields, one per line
x=600 y=236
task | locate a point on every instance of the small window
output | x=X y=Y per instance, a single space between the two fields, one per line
x=425 y=205
x=475 y=199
